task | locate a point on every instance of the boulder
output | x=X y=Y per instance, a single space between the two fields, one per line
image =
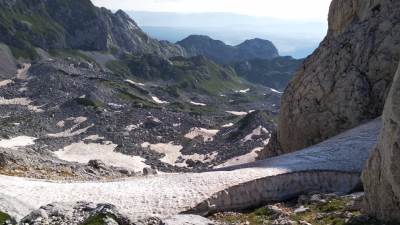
x=381 y=176
x=346 y=80
x=76 y=213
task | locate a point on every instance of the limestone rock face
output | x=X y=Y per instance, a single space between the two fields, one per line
x=346 y=80
x=72 y=24
x=382 y=174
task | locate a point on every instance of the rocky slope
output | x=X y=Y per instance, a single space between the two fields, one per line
x=317 y=168
x=382 y=174
x=346 y=80
x=274 y=73
x=224 y=54
x=61 y=24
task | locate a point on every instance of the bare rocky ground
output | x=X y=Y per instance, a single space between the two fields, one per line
x=314 y=169
x=311 y=209
x=56 y=113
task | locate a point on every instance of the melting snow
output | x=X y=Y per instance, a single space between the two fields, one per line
x=173 y=154
x=83 y=153
x=157 y=100
x=133 y=127
x=248 y=158
x=171 y=151
x=20 y=141
x=20 y=101
x=256 y=132
x=243 y=91
x=228 y=125
x=5 y=82
x=276 y=91
x=93 y=138
x=198 y=104
x=237 y=113
x=208 y=135
x=134 y=83
x=71 y=131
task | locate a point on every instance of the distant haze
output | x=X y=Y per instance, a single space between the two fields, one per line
x=295 y=38
x=296 y=27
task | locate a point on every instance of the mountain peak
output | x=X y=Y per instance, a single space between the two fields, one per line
x=220 y=52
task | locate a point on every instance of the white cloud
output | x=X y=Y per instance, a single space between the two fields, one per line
x=283 y=9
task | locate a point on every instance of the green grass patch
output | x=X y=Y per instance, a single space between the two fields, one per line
x=98 y=219
x=89 y=103
x=4 y=217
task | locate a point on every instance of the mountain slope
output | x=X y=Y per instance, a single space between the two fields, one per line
x=274 y=73
x=222 y=53
x=73 y=24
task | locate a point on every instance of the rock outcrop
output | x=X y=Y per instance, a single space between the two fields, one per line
x=223 y=53
x=74 y=24
x=346 y=80
x=274 y=73
x=382 y=174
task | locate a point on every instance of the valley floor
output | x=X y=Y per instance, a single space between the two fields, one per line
x=313 y=169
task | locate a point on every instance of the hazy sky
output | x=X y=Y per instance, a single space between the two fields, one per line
x=314 y=10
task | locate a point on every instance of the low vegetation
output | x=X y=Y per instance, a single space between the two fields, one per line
x=4 y=218
x=334 y=211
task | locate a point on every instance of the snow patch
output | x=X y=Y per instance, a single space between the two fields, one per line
x=171 y=151
x=16 y=142
x=276 y=91
x=256 y=132
x=5 y=82
x=197 y=103
x=93 y=138
x=208 y=135
x=132 y=127
x=244 y=91
x=73 y=130
x=237 y=113
x=248 y=158
x=228 y=125
x=134 y=83
x=157 y=100
x=83 y=153
x=20 y=101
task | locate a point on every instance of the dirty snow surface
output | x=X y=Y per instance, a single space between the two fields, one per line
x=169 y=194
x=20 y=141
x=82 y=153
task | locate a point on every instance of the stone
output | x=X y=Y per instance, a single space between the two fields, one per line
x=149 y=171
x=75 y=213
x=186 y=220
x=346 y=80
x=381 y=176
x=301 y=209
x=97 y=164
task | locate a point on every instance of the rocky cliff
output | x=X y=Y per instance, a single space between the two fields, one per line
x=223 y=53
x=382 y=174
x=346 y=80
x=74 y=24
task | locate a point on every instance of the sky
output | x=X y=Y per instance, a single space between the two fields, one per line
x=304 y=10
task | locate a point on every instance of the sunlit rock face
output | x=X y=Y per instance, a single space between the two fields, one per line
x=382 y=174
x=346 y=80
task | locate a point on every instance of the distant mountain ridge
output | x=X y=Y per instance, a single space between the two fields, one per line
x=71 y=24
x=224 y=54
